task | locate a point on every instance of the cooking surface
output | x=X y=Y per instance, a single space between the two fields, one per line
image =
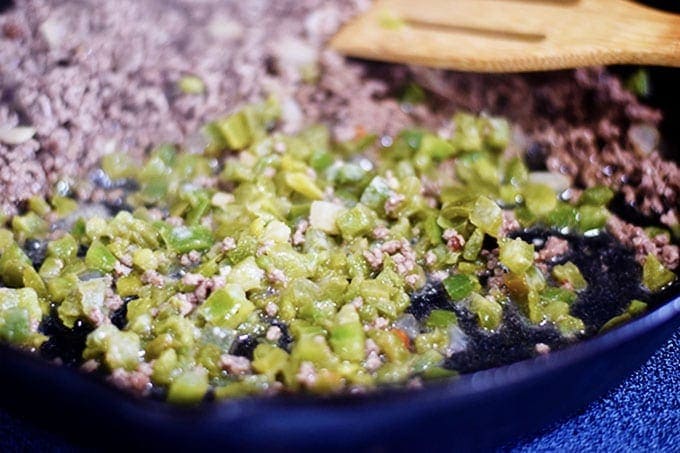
x=608 y=417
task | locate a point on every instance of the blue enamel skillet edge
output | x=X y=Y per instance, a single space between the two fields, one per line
x=476 y=411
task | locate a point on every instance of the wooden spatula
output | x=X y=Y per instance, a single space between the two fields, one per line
x=512 y=35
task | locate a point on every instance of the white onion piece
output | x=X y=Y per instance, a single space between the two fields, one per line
x=557 y=181
x=323 y=215
x=85 y=212
x=53 y=32
x=295 y=53
x=409 y=324
x=222 y=27
x=644 y=138
x=16 y=135
x=293 y=118
x=520 y=138
x=196 y=142
x=458 y=341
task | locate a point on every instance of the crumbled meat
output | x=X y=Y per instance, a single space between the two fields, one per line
x=430 y=258
x=554 y=247
x=635 y=238
x=96 y=316
x=192 y=279
x=438 y=276
x=126 y=260
x=415 y=383
x=175 y=221
x=235 y=364
x=187 y=303
x=509 y=223
x=264 y=248
x=273 y=333
x=89 y=366
x=454 y=240
x=390 y=247
x=121 y=270
x=271 y=309
x=203 y=286
x=153 y=278
x=374 y=257
x=542 y=348
x=393 y=202
x=277 y=276
x=380 y=323
x=12 y=30
x=307 y=374
x=137 y=381
x=403 y=256
x=412 y=280
x=228 y=244
x=190 y=259
x=381 y=232
x=357 y=302
x=299 y=234
x=373 y=360
x=85 y=90
x=112 y=301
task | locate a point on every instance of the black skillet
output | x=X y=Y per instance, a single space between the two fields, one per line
x=476 y=411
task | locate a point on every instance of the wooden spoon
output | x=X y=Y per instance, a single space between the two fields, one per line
x=512 y=35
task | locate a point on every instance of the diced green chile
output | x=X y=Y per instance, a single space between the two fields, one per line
x=267 y=261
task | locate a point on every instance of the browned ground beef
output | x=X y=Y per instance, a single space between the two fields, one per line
x=94 y=76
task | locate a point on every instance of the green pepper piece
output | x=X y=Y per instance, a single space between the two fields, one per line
x=592 y=217
x=189 y=387
x=441 y=318
x=227 y=307
x=190 y=84
x=487 y=216
x=183 y=239
x=489 y=313
x=539 y=199
x=100 y=258
x=13 y=261
x=569 y=273
x=654 y=275
x=356 y=221
x=458 y=286
x=516 y=255
x=596 y=196
x=269 y=360
x=347 y=335
x=235 y=131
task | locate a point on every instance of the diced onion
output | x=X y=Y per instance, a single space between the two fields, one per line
x=458 y=341
x=53 y=31
x=644 y=138
x=322 y=216
x=409 y=324
x=16 y=135
x=557 y=181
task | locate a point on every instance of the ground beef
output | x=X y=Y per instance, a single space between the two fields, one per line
x=554 y=247
x=636 y=239
x=90 y=83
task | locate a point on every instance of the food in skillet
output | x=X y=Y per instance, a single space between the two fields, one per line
x=272 y=262
x=245 y=260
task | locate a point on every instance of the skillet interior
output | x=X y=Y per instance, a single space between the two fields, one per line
x=481 y=409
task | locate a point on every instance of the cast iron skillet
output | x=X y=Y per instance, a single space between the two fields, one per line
x=476 y=411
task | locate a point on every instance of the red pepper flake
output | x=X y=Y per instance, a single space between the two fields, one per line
x=11 y=30
x=403 y=337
